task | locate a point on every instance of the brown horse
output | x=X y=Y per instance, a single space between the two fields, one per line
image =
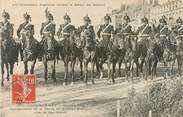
x=132 y=55
x=30 y=50
x=50 y=50
x=108 y=51
x=70 y=51
x=179 y=53
x=9 y=55
x=89 y=54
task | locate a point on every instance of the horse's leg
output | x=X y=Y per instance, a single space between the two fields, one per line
x=171 y=71
x=131 y=69
x=92 y=71
x=53 y=74
x=101 y=69
x=45 y=69
x=72 y=70
x=113 y=71
x=166 y=69
x=32 y=66
x=86 y=71
x=179 y=61
x=119 y=68
x=2 y=73
x=11 y=67
x=137 y=67
x=126 y=71
x=146 y=68
x=25 y=67
x=81 y=69
x=108 y=69
x=66 y=71
x=7 y=69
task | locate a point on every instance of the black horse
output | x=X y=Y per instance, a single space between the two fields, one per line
x=9 y=55
x=30 y=50
x=71 y=51
x=50 y=53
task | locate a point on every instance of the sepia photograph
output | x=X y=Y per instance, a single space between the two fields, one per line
x=87 y=58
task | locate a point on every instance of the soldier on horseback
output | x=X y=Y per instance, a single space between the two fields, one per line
x=25 y=27
x=126 y=29
x=47 y=29
x=163 y=32
x=144 y=35
x=179 y=43
x=65 y=29
x=106 y=32
x=87 y=27
x=7 y=28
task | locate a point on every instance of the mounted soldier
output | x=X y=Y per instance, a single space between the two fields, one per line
x=25 y=27
x=106 y=33
x=87 y=28
x=9 y=47
x=126 y=29
x=179 y=44
x=65 y=29
x=144 y=33
x=7 y=28
x=163 y=32
x=47 y=29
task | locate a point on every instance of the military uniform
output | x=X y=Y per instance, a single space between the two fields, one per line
x=88 y=30
x=126 y=31
x=163 y=32
x=144 y=32
x=179 y=36
x=106 y=33
x=23 y=28
x=65 y=30
x=7 y=29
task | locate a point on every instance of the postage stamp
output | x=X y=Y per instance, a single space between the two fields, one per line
x=23 y=89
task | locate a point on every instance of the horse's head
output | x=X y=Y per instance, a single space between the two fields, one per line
x=49 y=41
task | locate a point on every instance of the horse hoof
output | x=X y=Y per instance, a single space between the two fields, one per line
x=8 y=79
x=72 y=83
x=64 y=84
x=93 y=82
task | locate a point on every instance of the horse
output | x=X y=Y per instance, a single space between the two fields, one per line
x=50 y=52
x=122 y=43
x=179 y=53
x=108 y=51
x=70 y=51
x=169 y=55
x=131 y=56
x=9 y=55
x=153 y=56
x=30 y=47
x=89 y=54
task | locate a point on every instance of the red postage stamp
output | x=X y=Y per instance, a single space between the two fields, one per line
x=23 y=89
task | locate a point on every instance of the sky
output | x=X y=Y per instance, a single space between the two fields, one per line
x=36 y=8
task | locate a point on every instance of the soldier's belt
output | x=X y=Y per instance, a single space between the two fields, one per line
x=66 y=33
x=126 y=34
x=163 y=35
x=47 y=34
x=179 y=36
x=106 y=34
x=144 y=35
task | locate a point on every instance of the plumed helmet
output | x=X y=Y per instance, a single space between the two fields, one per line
x=162 y=20
x=127 y=18
x=107 y=17
x=66 y=17
x=144 y=19
x=27 y=16
x=179 y=20
x=48 y=14
x=5 y=14
x=86 y=18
